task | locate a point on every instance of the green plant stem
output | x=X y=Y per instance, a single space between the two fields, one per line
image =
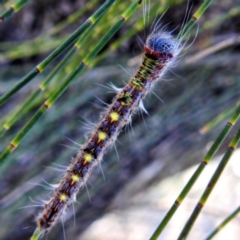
x=235 y=11
x=13 y=50
x=12 y=9
x=46 y=41
x=198 y=208
x=30 y=48
x=217 y=119
x=86 y=61
x=29 y=103
x=73 y=38
x=224 y=223
x=197 y=173
x=194 y=18
x=19 y=112
x=132 y=31
x=218 y=20
x=71 y=19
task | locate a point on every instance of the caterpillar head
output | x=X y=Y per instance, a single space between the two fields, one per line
x=163 y=44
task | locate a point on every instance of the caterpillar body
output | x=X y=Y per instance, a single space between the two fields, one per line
x=160 y=51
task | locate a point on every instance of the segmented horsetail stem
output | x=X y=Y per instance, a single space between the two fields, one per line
x=160 y=50
x=224 y=223
x=60 y=90
x=72 y=39
x=12 y=9
x=214 y=122
x=195 y=18
x=19 y=112
x=231 y=147
x=197 y=173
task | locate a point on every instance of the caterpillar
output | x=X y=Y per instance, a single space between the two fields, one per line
x=160 y=51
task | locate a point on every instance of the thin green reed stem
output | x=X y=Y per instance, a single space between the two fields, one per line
x=224 y=223
x=132 y=31
x=194 y=18
x=198 y=208
x=84 y=63
x=197 y=173
x=12 y=9
x=217 y=21
x=19 y=112
x=12 y=50
x=27 y=105
x=41 y=67
x=214 y=122
x=72 y=18
x=138 y=27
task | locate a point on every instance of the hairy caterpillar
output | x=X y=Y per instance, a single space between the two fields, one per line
x=160 y=50
x=134 y=152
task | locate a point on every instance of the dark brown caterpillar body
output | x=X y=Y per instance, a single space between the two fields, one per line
x=158 y=53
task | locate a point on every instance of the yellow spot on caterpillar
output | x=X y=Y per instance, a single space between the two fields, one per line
x=114 y=116
x=88 y=157
x=63 y=197
x=102 y=136
x=75 y=178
